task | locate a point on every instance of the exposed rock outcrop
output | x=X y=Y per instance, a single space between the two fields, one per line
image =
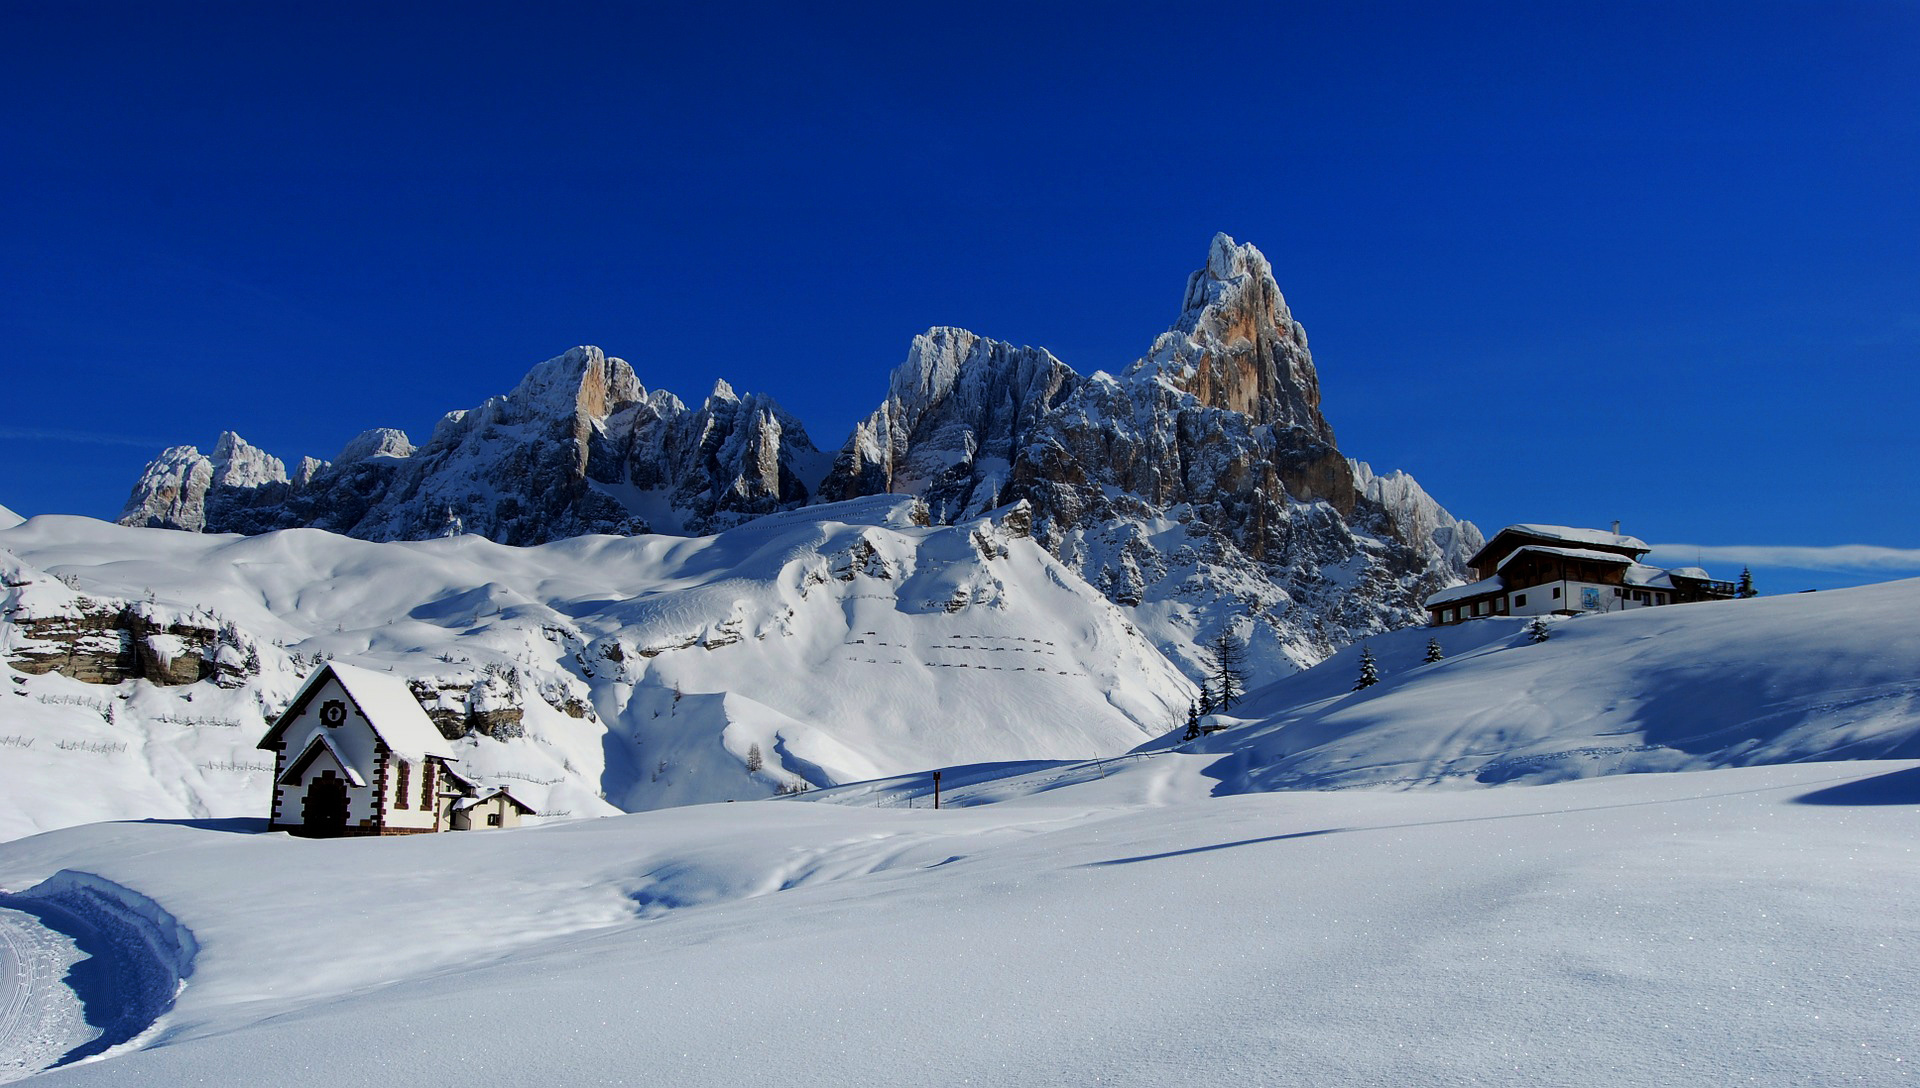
x=52 y=628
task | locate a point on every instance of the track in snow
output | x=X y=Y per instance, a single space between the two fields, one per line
x=40 y=1018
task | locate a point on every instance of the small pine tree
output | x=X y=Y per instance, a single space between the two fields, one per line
x=1538 y=631
x=1369 y=669
x=1746 y=589
x=1206 y=697
x=1433 y=651
x=1193 y=722
x=754 y=759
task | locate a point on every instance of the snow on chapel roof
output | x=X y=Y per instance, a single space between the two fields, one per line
x=396 y=716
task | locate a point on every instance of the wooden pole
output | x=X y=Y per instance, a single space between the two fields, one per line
x=936 y=789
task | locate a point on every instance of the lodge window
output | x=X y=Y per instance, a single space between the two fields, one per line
x=1556 y=593
x=493 y=819
x=1519 y=600
x=400 y=791
x=1446 y=615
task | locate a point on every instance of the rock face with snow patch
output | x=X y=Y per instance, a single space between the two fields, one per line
x=1202 y=485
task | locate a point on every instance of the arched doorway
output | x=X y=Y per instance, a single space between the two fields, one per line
x=324 y=812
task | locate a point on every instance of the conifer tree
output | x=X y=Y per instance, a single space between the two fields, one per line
x=1369 y=669
x=1229 y=667
x=1746 y=589
x=754 y=759
x=1537 y=630
x=1193 y=721
x=1206 y=697
x=1433 y=651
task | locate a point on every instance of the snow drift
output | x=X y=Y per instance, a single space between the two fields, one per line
x=1729 y=683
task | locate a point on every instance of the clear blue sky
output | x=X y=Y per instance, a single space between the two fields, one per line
x=1563 y=263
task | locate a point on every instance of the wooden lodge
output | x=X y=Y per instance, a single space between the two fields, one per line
x=1539 y=570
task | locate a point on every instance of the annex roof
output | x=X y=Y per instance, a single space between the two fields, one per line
x=383 y=699
x=489 y=794
x=1472 y=589
x=1640 y=574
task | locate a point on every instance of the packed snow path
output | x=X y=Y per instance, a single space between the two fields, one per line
x=40 y=1018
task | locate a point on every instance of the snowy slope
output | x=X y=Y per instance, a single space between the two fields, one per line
x=9 y=519
x=1768 y=680
x=844 y=641
x=1729 y=926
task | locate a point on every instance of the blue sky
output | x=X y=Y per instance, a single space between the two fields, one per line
x=1651 y=262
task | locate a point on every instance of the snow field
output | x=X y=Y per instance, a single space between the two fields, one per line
x=1729 y=683
x=1633 y=930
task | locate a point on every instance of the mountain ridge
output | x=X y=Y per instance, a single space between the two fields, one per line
x=1203 y=481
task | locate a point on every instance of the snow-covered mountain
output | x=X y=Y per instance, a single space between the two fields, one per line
x=1201 y=489
x=597 y=673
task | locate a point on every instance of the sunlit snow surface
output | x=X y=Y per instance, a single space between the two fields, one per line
x=1732 y=926
x=844 y=642
x=1162 y=918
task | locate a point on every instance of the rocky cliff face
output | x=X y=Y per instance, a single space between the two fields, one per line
x=1202 y=487
x=579 y=446
x=958 y=414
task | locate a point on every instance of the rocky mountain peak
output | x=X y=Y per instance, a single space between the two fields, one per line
x=378 y=442
x=1237 y=347
x=582 y=383
x=958 y=411
x=236 y=464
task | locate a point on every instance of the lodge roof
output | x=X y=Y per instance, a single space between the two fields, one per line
x=1590 y=555
x=1562 y=535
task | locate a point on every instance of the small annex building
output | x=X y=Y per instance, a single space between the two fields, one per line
x=466 y=806
x=1540 y=570
x=355 y=754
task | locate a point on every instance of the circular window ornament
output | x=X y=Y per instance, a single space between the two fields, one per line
x=332 y=713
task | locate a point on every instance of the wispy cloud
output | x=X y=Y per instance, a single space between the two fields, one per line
x=1831 y=557
x=93 y=438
